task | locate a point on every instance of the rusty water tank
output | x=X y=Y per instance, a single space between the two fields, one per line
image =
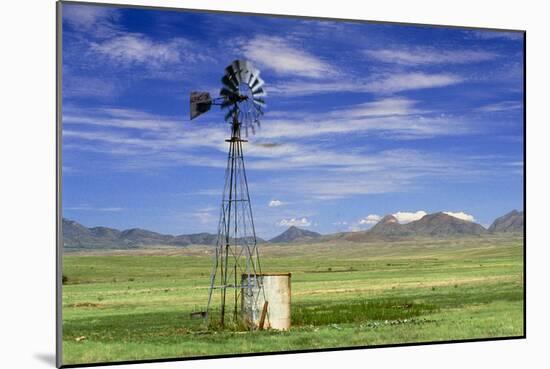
x=266 y=304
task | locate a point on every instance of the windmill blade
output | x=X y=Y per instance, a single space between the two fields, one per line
x=229 y=83
x=244 y=70
x=239 y=66
x=235 y=70
x=254 y=75
x=199 y=103
x=258 y=82
x=259 y=102
x=259 y=92
x=232 y=74
x=228 y=93
x=257 y=85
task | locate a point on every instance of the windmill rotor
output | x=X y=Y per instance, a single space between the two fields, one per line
x=243 y=94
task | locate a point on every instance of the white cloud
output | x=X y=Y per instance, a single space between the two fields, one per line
x=395 y=118
x=79 y=86
x=275 y=203
x=413 y=81
x=407 y=217
x=137 y=140
x=501 y=106
x=277 y=54
x=490 y=35
x=461 y=215
x=297 y=222
x=206 y=215
x=339 y=223
x=100 y=20
x=383 y=84
x=131 y=49
x=370 y=219
x=391 y=106
x=424 y=56
x=301 y=88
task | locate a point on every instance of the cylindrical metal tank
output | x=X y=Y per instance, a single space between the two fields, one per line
x=267 y=301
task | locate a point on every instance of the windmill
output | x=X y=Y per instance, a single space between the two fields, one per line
x=236 y=264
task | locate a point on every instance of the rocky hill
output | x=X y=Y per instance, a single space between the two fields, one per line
x=430 y=225
x=295 y=234
x=441 y=224
x=511 y=222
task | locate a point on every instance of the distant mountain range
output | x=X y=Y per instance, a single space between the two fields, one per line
x=77 y=236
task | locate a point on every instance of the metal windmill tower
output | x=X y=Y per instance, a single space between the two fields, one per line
x=236 y=254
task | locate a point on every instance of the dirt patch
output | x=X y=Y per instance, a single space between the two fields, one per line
x=87 y=305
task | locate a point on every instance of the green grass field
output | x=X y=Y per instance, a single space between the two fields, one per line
x=135 y=305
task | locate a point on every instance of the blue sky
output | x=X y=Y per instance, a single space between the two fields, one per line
x=363 y=120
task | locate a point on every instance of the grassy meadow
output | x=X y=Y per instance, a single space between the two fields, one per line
x=135 y=305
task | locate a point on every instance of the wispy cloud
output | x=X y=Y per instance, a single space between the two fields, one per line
x=98 y=42
x=206 y=215
x=391 y=106
x=131 y=49
x=413 y=81
x=275 y=203
x=395 y=118
x=370 y=219
x=277 y=54
x=141 y=141
x=501 y=106
x=81 y=86
x=404 y=217
x=138 y=49
x=126 y=131
x=297 y=222
x=428 y=56
x=492 y=35
x=381 y=84
x=97 y=20
x=461 y=215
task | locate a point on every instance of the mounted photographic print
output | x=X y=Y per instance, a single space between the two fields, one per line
x=233 y=184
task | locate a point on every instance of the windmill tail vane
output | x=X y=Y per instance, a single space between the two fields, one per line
x=236 y=265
